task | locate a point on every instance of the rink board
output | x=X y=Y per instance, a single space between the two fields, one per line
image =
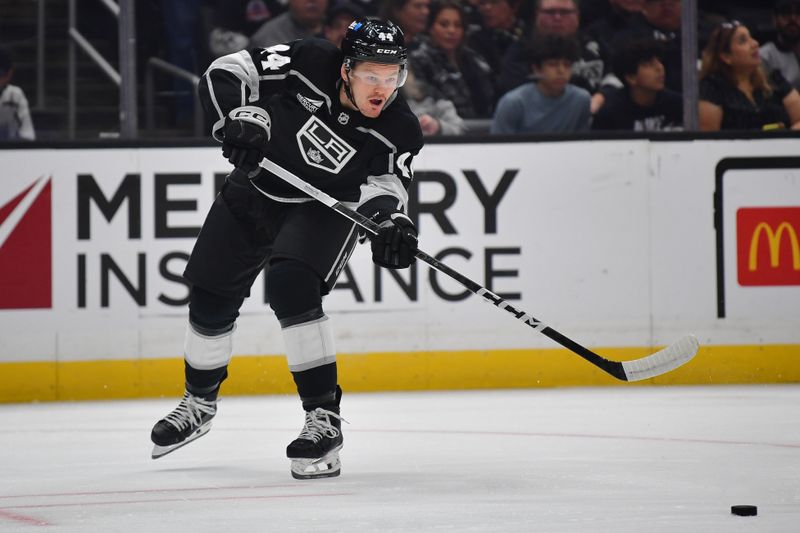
x=624 y=246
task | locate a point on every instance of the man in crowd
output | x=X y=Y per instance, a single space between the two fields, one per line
x=303 y=19
x=643 y=104
x=15 y=115
x=619 y=18
x=549 y=103
x=589 y=71
x=660 y=20
x=782 y=54
x=500 y=29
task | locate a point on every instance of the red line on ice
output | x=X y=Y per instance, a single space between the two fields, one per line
x=142 y=491
x=24 y=519
x=162 y=500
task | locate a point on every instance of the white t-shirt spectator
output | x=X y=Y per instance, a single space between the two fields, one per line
x=15 y=115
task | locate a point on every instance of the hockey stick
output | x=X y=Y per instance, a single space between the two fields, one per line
x=660 y=362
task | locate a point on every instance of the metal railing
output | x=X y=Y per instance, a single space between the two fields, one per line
x=154 y=64
x=124 y=79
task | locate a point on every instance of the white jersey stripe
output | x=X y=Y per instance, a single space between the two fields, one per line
x=383 y=185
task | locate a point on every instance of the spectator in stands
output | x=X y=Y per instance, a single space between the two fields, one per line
x=303 y=19
x=593 y=10
x=735 y=92
x=549 y=104
x=590 y=71
x=339 y=17
x=643 y=104
x=442 y=61
x=186 y=42
x=15 y=115
x=410 y=15
x=234 y=21
x=371 y=8
x=782 y=54
x=437 y=115
x=618 y=19
x=660 y=20
x=501 y=27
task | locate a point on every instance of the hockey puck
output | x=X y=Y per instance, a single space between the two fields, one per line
x=744 y=510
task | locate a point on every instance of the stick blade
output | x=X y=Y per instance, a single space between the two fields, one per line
x=676 y=354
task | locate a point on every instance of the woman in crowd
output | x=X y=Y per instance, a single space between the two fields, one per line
x=442 y=61
x=736 y=93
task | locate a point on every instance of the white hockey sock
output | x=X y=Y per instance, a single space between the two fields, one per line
x=207 y=352
x=309 y=344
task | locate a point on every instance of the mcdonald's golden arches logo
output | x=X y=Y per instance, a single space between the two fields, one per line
x=768 y=245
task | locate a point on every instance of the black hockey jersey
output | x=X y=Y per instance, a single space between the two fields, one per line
x=336 y=149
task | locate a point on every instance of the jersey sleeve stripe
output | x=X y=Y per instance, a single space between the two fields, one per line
x=220 y=122
x=385 y=185
x=242 y=67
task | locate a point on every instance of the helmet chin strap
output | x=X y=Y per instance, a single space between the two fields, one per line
x=347 y=91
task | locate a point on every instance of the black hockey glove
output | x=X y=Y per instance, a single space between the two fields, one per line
x=395 y=244
x=245 y=137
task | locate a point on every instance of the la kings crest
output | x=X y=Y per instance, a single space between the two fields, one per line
x=322 y=148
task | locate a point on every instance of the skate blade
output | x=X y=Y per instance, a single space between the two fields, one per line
x=326 y=466
x=161 y=451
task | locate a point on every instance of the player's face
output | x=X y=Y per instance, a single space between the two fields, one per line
x=371 y=85
x=447 y=30
x=744 y=50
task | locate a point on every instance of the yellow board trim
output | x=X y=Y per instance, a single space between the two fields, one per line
x=441 y=370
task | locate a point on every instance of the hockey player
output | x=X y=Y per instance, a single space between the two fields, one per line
x=335 y=118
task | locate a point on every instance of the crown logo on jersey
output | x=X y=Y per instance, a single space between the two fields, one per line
x=344 y=118
x=314 y=155
x=322 y=148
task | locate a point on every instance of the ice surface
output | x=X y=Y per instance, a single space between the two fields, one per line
x=623 y=459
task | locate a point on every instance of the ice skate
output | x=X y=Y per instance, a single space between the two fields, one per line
x=189 y=421
x=315 y=452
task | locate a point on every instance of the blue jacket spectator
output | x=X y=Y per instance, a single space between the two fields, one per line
x=549 y=104
x=591 y=70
